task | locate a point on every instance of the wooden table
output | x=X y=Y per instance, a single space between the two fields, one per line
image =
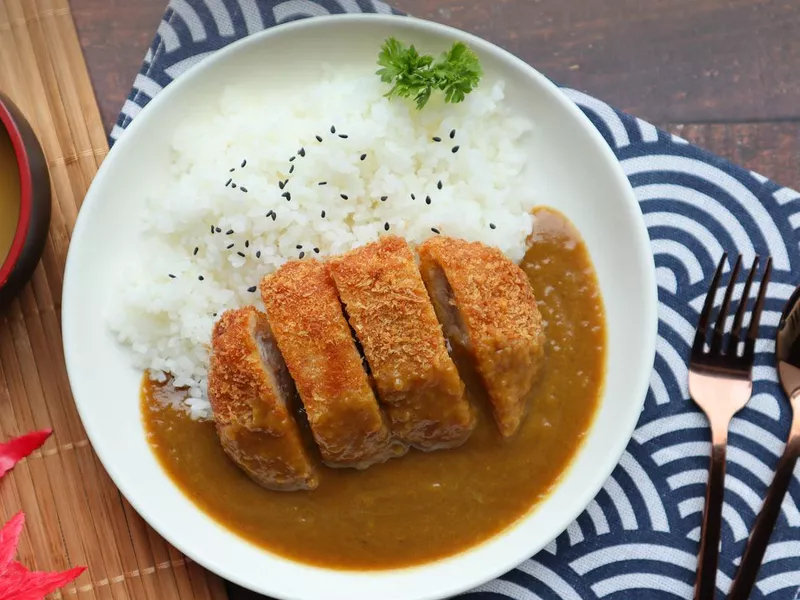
x=722 y=74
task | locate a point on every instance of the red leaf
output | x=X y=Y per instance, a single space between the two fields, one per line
x=9 y=538
x=15 y=450
x=17 y=583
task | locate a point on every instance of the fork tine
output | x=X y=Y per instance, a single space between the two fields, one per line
x=705 y=316
x=719 y=328
x=755 y=318
x=736 y=332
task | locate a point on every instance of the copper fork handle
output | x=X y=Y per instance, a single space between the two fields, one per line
x=705 y=586
x=765 y=523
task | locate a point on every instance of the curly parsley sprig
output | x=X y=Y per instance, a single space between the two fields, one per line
x=456 y=72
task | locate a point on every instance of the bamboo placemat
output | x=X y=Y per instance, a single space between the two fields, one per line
x=75 y=514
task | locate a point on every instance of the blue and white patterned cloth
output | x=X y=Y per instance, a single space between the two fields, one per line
x=639 y=537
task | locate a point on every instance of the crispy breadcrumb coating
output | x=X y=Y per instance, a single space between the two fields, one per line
x=394 y=321
x=487 y=306
x=315 y=339
x=250 y=392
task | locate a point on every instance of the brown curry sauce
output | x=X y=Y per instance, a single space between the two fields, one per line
x=421 y=507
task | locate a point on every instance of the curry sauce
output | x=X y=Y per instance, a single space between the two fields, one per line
x=424 y=506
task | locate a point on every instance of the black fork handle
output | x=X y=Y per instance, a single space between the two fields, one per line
x=765 y=523
x=706 y=583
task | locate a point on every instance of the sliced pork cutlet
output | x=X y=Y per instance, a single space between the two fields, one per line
x=250 y=392
x=486 y=306
x=392 y=316
x=315 y=340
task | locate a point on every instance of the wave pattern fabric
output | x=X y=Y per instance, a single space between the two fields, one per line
x=639 y=536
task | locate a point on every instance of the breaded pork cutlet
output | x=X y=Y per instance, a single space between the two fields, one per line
x=392 y=316
x=250 y=392
x=306 y=317
x=486 y=305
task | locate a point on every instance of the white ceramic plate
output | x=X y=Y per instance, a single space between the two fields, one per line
x=575 y=172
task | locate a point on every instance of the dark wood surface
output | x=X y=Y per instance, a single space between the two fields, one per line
x=722 y=74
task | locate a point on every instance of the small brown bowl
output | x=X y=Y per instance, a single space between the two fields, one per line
x=29 y=238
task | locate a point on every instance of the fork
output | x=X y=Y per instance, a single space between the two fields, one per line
x=720 y=383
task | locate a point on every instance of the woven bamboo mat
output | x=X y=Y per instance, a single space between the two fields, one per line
x=75 y=514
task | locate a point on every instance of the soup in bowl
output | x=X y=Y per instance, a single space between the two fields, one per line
x=24 y=200
x=9 y=194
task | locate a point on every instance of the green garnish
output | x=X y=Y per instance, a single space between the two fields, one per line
x=456 y=72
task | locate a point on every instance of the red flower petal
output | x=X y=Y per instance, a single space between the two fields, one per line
x=9 y=537
x=17 y=583
x=15 y=450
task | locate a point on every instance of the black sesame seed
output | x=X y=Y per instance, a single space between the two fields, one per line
x=171 y=276
x=274 y=215
x=258 y=254
x=200 y=278
x=437 y=139
x=344 y=196
x=386 y=226
x=323 y=183
x=232 y=170
x=453 y=134
x=287 y=195
x=322 y=214
x=218 y=230
x=270 y=213
x=292 y=159
x=413 y=197
x=299 y=246
x=252 y=289
x=384 y=198
x=227 y=183
x=440 y=185
x=333 y=129
x=363 y=157
x=434 y=230
x=244 y=163
x=302 y=254
x=229 y=246
x=455 y=149
x=233 y=185
x=344 y=136
x=302 y=152
x=281 y=184
x=214 y=315
x=492 y=226
x=247 y=243
x=291 y=169
x=240 y=254
x=229 y=232
x=427 y=199
x=316 y=250
x=243 y=190
x=196 y=250
x=212 y=230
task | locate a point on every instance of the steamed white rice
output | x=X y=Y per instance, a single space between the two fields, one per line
x=166 y=322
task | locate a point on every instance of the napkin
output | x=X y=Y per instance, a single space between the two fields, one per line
x=639 y=536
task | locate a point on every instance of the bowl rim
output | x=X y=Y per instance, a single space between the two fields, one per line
x=639 y=384
x=9 y=124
